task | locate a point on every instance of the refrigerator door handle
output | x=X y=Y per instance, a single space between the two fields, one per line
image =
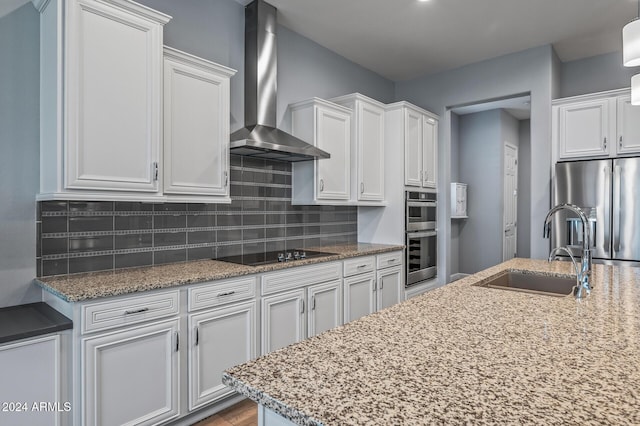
x=617 y=182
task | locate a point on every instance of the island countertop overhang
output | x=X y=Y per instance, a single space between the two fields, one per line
x=463 y=353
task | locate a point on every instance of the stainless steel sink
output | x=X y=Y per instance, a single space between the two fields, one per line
x=531 y=283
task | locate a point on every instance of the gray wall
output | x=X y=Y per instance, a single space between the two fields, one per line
x=19 y=154
x=524 y=187
x=530 y=71
x=595 y=74
x=480 y=160
x=481 y=138
x=214 y=29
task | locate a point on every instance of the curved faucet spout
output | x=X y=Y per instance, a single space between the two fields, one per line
x=586 y=261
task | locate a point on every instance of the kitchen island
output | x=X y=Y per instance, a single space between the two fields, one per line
x=466 y=354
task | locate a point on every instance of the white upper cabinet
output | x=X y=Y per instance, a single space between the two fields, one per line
x=429 y=152
x=628 y=140
x=101 y=69
x=367 y=147
x=417 y=130
x=584 y=129
x=196 y=127
x=596 y=125
x=327 y=126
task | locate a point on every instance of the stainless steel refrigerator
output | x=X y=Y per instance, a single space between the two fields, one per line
x=609 y=193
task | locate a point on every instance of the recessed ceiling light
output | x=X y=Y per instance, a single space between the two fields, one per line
x=423 y=1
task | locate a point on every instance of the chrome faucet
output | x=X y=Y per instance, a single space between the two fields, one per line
x=578 y=290
x=583 y=275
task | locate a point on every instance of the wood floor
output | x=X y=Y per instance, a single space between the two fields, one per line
x=244 y=413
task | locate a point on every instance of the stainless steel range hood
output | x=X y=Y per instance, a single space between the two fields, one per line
x=260 y=137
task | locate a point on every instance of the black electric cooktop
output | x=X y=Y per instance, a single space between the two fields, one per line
x=256 y=259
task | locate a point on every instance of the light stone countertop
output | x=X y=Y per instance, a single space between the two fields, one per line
x=463 y=354
x=79 y=287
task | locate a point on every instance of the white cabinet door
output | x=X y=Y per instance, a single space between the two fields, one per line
x=359 y=296
x=628 y=140
x=219 y=339
x=370 y=152
x=282 y=322
x=30 y=371
x=130 y=377
x=113 y=111
x=584 y=129
x=196 y=125
x=325 y=307
x=430 y=153
x=333 y=136
x=390 y=287
x=413 y=135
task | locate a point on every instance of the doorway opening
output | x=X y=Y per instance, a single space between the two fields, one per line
x=491 y=153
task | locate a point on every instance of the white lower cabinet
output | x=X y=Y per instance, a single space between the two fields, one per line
x=295 y=315
x=30 y=371
x=325 y=307
x=283 y=320
x=219 y=339
x=359 y=296
x=299 y=303
x=130 y=377
x=390 y=287
x=377 y=289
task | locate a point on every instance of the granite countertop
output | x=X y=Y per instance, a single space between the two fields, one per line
x=467 y=354
x=79 y=287
x=30 y=320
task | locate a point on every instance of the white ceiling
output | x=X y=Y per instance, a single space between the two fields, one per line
x=403 y=39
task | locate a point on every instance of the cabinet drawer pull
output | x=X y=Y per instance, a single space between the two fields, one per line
x=604 y=145
x=391 y=260
x=226 y=179
x=302 y=306
x=228 y=293
x=362 y=266
x=136 y=311
x=620 y=142
x=362 y=188
x=381 y=283
x=197 y=335
x=155 y=170
x=321 y=185
x=177 y=341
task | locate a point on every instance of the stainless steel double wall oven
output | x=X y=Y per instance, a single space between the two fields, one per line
x=421 y=237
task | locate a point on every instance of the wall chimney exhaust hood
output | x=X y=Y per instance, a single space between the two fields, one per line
x=259 y=137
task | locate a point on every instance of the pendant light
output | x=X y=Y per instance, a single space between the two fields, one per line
x=635 y=90
x=631 y=42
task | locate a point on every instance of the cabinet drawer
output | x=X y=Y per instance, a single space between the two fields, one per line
x=387 y=260
x=359 y=265
x=221 y=292
x=130 y=310
x=300 y=277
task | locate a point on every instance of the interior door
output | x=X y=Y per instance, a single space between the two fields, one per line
x=510 y=213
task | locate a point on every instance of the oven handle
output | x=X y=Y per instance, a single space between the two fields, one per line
x=421 y=234
x=421 y=203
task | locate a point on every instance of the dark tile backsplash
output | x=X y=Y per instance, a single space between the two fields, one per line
x=87 y=236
